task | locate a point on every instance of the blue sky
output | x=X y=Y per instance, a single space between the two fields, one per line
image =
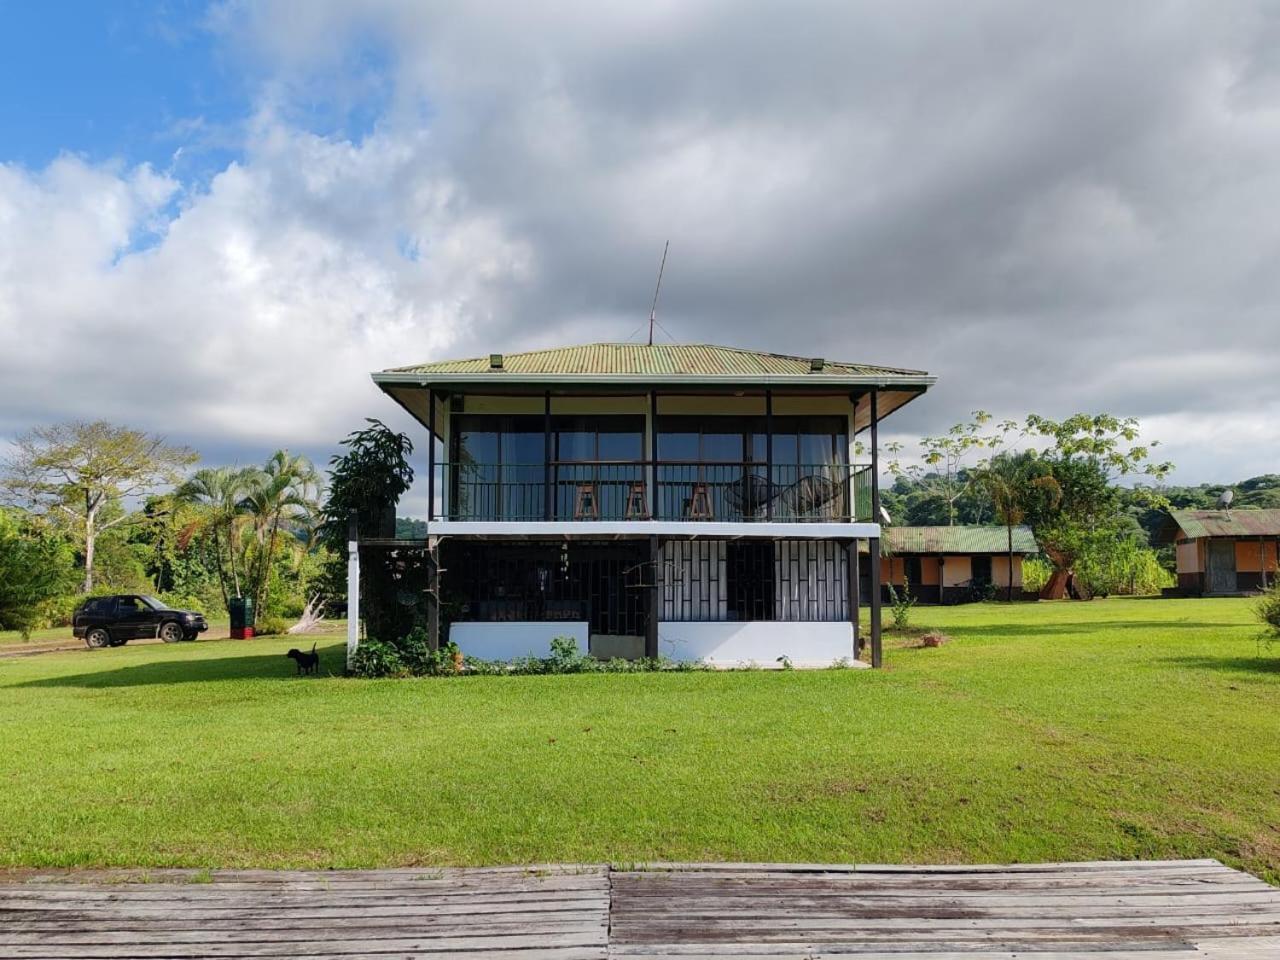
x=126 y=79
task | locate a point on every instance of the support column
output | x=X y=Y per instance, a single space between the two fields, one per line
x=431 y=456
x=651 y=622
x=851 y=568
x=874 y=544
x=653 y=455
x=433 y=600
x=768 y=454
x=353 y=588
x=547 y=493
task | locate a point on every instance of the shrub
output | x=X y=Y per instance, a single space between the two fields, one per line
x=271 y=626
x=900 y=605
x=374 y=659
x=567 y=658
x=1267 y=608
x=1036 y=572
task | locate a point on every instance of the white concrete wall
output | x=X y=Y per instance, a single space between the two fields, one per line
x=521 y=638
x=727 y=644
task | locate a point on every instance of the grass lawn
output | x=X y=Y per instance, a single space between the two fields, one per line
x=1054 y=731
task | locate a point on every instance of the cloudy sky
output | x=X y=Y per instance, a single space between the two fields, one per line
x=216 y=219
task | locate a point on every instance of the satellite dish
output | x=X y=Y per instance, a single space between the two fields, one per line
x=884 y=515
x=1225 y=498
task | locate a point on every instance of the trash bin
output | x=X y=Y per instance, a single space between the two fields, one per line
x=241 y=610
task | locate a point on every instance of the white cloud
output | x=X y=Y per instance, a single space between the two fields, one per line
x=1051 y=208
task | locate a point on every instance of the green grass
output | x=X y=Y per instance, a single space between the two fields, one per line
x=1064 y=731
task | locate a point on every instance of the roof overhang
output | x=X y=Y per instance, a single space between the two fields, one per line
x=892 y=393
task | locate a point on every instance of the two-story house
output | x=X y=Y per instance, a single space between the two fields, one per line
x=686 y=500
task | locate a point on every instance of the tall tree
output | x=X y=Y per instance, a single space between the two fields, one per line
x=36 y=568
x=1017 y=483
x=284 y=491
x=1090 y=456
x=219 y=492
x=77 y=470
x=938 y=472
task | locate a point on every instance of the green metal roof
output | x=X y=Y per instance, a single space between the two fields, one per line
x=1241 y=522
x=665 y=359
x=960 y=539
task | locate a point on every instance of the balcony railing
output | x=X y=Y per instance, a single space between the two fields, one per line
x=636 y=490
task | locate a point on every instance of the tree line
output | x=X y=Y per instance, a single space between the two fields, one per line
x=95 y=508
x=1091 y=491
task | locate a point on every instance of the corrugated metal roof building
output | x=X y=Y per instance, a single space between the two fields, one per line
x=956 y=563
x=1224 y=551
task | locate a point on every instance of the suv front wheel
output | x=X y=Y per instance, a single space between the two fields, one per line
x=171 y=631
x=97 y=638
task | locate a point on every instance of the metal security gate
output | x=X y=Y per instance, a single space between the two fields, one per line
x=605 y=584
x=1220 y=573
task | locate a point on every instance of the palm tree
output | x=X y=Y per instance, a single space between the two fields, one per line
x=218 y=491
x=1016 y=482
x=284 y=491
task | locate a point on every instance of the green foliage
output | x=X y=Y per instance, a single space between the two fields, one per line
x=412 y=656
x=81 y=473
x=900 y=604
x=1036 y=572
x=36 y=571
x=1122 y=567
x=368 y=480
x=271 y=626
x=938 y=481
x=1267 y=608
x=375 y=659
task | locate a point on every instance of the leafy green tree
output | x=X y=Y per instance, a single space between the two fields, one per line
x=938 y=476
x=368 y=481
x=1089 y=456
x=36 y=569
x=285 y=491
x=217 y=493
x=1017 y=484
x=79 y=471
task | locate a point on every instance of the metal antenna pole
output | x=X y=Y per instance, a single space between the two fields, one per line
x=653 y=310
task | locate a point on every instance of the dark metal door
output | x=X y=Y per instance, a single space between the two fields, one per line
x=1220 y=575
x=614 y=581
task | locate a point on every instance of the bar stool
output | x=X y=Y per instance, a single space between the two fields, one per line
x=700 y=503
x=637 y=506
x=585 y=504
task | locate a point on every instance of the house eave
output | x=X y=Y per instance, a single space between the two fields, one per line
x=489 y=380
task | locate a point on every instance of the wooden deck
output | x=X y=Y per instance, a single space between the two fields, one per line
x=1086 y=911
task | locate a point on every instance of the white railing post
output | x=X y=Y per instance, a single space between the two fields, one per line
x=353 y=591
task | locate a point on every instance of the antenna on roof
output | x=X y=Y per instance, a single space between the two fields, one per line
x=653 y=310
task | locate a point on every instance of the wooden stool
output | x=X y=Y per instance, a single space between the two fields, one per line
x=700 y=503
x=586 y=505
x=637 y=507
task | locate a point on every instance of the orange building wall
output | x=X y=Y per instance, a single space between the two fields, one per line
x=1248 y=559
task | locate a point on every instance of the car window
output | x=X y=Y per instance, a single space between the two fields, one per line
x=126 y=605
x=98 y=605
x=155 y=604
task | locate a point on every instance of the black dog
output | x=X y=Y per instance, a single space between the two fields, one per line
x=307 y=662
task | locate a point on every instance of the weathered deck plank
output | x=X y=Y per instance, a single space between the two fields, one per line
x=1171 y=910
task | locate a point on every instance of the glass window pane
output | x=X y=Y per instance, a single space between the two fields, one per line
x=677 y=445
x=622 y=445
x=722 y=447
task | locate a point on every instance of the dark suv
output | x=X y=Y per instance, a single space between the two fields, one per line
x=112 y=621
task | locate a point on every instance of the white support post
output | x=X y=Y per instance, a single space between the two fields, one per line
x=353 y=592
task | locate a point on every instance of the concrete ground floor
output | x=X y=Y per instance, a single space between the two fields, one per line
x=1118 y=910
